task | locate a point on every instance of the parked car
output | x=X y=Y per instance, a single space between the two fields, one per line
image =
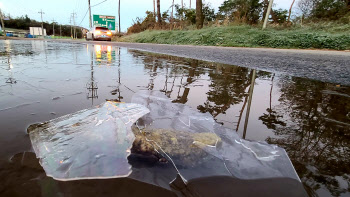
x=99 y=33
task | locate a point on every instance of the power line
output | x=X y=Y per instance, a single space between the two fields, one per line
x=88 y=10
x=99 y=3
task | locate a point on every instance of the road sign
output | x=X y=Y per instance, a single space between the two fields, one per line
x=104 y=21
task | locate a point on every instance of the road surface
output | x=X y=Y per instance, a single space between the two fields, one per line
x=322 y=65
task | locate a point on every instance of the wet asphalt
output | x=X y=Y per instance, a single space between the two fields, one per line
x=321 y=65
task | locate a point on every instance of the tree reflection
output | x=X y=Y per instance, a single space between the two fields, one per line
x=271 y=118
x=319 y=149
x=312 y=121
x=228 y=86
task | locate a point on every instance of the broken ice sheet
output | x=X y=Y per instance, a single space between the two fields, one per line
x=200 y=147
x=89 y=144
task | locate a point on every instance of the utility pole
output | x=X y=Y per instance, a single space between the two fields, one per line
x=267 y=13
x=190 y=4
x=172 y=11
x=2 y=23
x=75 y=28
x=119 y=17
x=42 y=22
x=60 y=31
x=53 y=26
x=74 y=15
x=154 y=8
x=71 y=26
x=90 y=22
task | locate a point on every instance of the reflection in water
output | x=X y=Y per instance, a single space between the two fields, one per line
x=92 y=85
x=301 y=136
x=251 y=89
x=319 y=149
x=117 y=91
x=104 y=55
x=271 y=118
x=310 y=119
x=10 y=80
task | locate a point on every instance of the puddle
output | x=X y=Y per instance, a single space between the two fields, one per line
x=310 y=119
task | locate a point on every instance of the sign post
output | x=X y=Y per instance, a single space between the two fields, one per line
x=104 y=21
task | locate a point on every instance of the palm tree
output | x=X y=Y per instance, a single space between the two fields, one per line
x=199 y=14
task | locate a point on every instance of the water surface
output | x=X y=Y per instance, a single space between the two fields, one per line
x=42 y=80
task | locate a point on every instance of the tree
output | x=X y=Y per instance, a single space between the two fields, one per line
x=248 y=11
x=306 y=6
x=324 y=9
x=330 y=9
x=159 y=14
x=290 y=10
x=280 y=16
x=184 y=14
x=199 y=14
x=208 y=13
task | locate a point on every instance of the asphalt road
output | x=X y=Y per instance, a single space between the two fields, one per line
x=323 y=65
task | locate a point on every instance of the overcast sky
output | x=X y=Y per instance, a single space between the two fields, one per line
x=60 y=10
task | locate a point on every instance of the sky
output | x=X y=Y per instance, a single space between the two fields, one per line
x=60 y=10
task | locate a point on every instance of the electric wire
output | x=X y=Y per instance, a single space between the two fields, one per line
x=88 y=10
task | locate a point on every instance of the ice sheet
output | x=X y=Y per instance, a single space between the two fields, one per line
x=89 y=144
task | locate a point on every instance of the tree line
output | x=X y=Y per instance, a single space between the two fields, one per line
x=240 y=11
x=24 y=22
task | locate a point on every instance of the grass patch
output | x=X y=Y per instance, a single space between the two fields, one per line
x=317 y=36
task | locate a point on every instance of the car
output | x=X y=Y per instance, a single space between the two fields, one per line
x=99 y=33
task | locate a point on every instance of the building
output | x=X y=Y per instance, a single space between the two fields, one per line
x=37 y=31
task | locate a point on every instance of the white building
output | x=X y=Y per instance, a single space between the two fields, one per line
x=37 y=31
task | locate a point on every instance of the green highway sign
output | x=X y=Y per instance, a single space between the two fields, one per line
x=104 y=21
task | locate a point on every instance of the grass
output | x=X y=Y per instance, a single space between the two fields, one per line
x=62 y=37
x=317 y=36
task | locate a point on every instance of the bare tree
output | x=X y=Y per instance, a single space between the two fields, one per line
x=199 y=14
x=306 y=6
x=290 y=10
x=159 y=14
